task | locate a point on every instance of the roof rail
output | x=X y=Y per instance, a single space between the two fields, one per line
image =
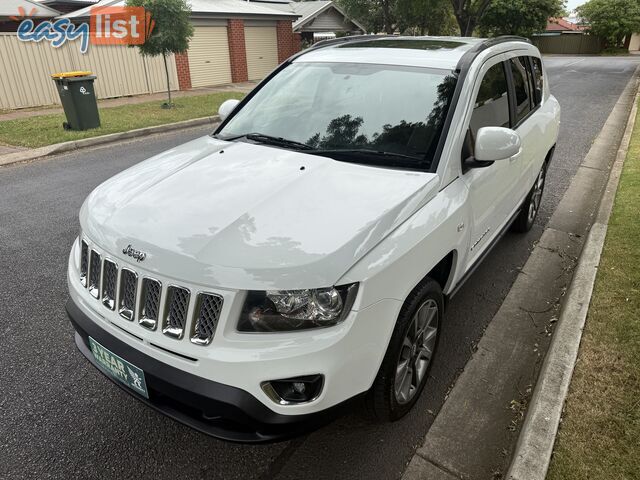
x=336 y=41
x=347 y=39
x=505 y=38
x=355 y=38
x=474 y=51
x=466 y=59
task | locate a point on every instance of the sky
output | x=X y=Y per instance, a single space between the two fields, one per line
x=572 y=4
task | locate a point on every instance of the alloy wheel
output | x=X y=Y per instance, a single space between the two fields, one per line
x=416 y=351
x=536 y=197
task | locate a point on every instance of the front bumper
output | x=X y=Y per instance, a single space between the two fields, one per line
x=219 y=410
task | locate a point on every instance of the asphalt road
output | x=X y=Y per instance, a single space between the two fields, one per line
x=60 y=418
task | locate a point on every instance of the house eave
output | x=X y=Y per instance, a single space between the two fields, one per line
x=300 y=24
x=248 y=16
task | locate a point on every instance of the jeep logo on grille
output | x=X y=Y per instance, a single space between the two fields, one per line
x=133 y=253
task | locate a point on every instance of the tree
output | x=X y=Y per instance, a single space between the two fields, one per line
x=171 y=33
x=468 y=13
x=433 y=17
x=375 y=15
x=518 y=17
x=613 y=20
x=426 y=17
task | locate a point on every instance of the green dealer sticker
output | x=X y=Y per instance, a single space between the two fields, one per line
x=119 y=368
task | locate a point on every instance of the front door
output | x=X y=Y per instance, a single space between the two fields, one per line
x=493 y=189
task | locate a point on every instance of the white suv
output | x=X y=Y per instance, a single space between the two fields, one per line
x=251 y=282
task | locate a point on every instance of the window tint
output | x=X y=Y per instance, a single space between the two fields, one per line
x=492 y=103
x=350 y=106
x=538 y=78
x=521 y=87
x=531 y=83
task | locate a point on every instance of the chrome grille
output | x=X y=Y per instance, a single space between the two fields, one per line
x=177 y=308
x=95 y=266
x=116 y=288
x=208 y=314
x=84 y=263
x=128 y=287
x=150 y=303
x=109 y=284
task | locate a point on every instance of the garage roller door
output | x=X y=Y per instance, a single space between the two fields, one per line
x=209 y=57
x=262 y=51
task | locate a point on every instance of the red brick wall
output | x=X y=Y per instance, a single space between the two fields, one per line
x=237 y=50
x=184 y=74
x=297 y=42
x=288 y=42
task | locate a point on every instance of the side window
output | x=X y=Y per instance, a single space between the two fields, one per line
x=521 y=87
x=538 y=77
x=533 y=97
x=492 y=103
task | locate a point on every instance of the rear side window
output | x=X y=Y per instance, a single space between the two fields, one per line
x=492 y=103
x=538 y=77
x=533 y=97
x=521 y=87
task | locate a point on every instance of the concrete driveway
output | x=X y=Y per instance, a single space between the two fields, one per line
x=59 y=418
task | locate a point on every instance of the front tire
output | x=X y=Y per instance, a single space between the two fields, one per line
x=406 y=364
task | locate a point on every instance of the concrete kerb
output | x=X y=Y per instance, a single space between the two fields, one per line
x=36 y=153
x=535 y=445
x=469 y=438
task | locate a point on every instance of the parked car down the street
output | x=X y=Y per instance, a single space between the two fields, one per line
x=253 y=282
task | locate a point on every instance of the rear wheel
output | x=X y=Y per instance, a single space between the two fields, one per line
x=531 y=205
x=406 y=364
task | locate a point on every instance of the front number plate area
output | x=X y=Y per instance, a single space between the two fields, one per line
x=119 y=369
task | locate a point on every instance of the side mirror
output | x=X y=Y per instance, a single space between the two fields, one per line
x=496 y=143
x=226 y=108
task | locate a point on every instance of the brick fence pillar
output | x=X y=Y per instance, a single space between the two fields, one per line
x=184 y=74
x=288 y=42
x=237 y=50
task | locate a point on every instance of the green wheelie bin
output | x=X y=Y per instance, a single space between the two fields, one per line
x=78 y=99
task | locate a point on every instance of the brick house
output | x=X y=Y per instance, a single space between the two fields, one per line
x=234 y=41
x=318 y=19
x=562 y=25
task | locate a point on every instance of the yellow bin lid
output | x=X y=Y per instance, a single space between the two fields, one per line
x=70 y=74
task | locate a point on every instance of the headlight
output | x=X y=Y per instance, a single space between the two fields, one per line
x=286 y=310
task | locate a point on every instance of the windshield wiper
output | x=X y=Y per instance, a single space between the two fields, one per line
x=373 y=157
x=271 y=140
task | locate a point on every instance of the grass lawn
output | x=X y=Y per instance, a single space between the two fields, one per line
x=599 y=436
x=615 y=51
x=47 y=129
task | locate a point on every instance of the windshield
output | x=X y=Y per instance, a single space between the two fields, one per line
x=337 y=109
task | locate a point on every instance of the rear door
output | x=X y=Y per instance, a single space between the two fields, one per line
x=525 y=106
x=537 y=124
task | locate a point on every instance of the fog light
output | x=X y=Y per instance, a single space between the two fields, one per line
x=297 y=390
